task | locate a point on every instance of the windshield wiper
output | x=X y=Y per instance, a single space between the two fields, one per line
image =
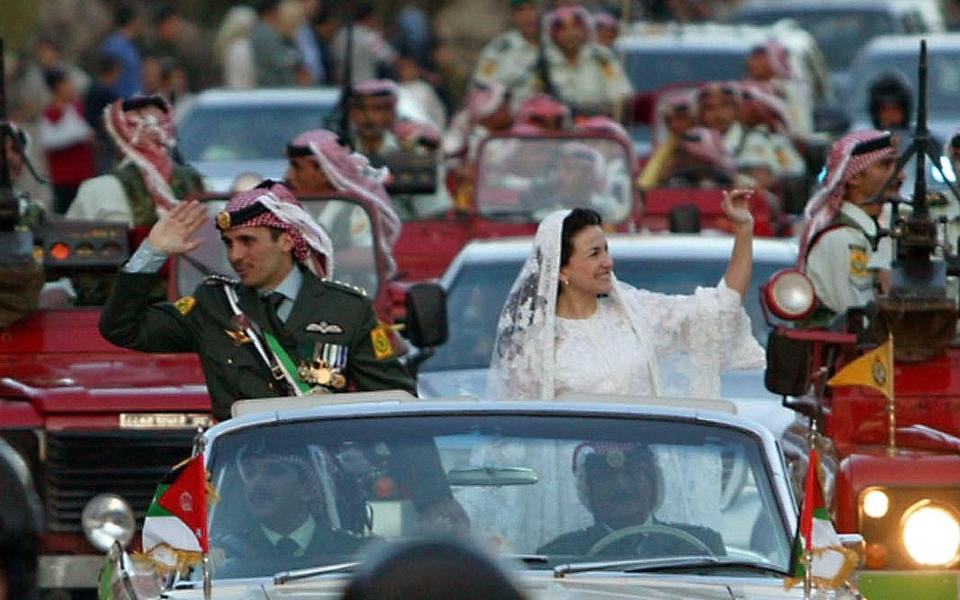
x=673 y=563
x=285 y=576
x=529 y=559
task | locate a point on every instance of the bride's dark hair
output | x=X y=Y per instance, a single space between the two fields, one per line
x=578 y=219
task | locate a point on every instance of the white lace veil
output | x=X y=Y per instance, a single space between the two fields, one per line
x=523 y=364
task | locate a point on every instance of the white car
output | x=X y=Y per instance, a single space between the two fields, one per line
x=517 y=476
x=479 y=278
x=224 y=133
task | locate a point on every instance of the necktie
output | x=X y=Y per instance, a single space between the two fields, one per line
x=272 y=303
x=286 y=547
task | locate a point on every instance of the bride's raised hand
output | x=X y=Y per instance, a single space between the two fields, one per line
x=736 y=206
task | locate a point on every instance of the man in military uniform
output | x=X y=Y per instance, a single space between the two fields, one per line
x=511 y=57
x=840 y=237
x=148 y=177
x=291 y=517
x=281 y=330
x=320 y=164
x=582 y=73
x=622 y=487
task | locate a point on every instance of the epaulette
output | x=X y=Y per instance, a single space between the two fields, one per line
x=502 y=45
x=218 y=279
x=346 y=287
x=602 y=55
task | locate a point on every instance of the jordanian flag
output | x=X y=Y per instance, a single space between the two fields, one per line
x=175 y=529
x=831 y=564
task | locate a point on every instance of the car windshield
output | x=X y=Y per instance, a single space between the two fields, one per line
x=650 y=70
x=526 y=178
x=476 y=297
x=839 y=34
x=347 y=222
x=310 y=493
x=226 y=133
x=942 y=90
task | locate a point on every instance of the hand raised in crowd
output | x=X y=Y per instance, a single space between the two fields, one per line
x=173 y=233
x=736 y=206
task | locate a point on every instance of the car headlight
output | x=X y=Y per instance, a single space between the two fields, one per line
x=931 y=534
x=875 y=503
x=107 y=518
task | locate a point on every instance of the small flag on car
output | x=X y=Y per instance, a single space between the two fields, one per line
x=175 y=535
x=817 y=546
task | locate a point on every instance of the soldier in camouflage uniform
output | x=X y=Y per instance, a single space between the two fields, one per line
x=282 y=312
x=148 y=177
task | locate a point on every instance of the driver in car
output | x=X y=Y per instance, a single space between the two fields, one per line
x=622 y=487
x=283 y=490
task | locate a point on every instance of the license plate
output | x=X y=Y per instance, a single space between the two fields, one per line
x=164 y=420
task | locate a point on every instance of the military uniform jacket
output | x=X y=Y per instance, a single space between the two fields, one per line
x=839 y=260
x=595 y=79
x=323 y=313
x=509 y=59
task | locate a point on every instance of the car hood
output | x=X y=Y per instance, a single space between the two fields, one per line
x=542 y=586
x=218 y=175
x=744 y=388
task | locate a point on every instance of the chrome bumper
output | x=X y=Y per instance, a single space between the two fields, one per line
x=69 y=571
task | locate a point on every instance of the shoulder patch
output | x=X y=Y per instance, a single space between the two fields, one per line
x=185 y=305
x=382 y=348
x=858 y=260
x=346 y=287
x=488 y=68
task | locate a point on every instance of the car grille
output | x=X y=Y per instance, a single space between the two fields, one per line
x=80 y=465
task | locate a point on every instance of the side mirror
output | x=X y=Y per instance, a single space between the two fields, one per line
x=426 y=318
x=831 y=119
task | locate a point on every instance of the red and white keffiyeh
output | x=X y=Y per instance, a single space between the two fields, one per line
x=145 y=135
x=311 y=243
x=848 y=156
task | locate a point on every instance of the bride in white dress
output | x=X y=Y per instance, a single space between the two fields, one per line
x=569 y=326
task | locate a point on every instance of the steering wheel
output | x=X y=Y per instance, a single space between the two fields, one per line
x=615 y=536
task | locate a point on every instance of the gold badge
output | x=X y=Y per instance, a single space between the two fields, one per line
x=223 y=220
x=382 y=348
x=238 y=336
x=489 y=68
x=185 y=304
x=858 y=261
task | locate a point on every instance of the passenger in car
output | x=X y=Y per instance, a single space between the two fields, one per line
x=320 y=164
x=283 y=258
x=568 y=326
x=287 y=496
x=622 y=487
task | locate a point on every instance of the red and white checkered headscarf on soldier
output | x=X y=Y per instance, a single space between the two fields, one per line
x=569 y=14
x=350 y=171
x=145 y=135
x=843 y=163
x=311 y=244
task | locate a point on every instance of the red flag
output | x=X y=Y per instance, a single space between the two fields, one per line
x=812 y=500
x=186 y=498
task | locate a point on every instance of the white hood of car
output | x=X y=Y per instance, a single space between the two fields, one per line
x=541 y=586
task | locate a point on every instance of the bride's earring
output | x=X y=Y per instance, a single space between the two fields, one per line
x=564 y=281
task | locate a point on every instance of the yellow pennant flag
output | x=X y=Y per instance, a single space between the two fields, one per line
x=874 y=370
